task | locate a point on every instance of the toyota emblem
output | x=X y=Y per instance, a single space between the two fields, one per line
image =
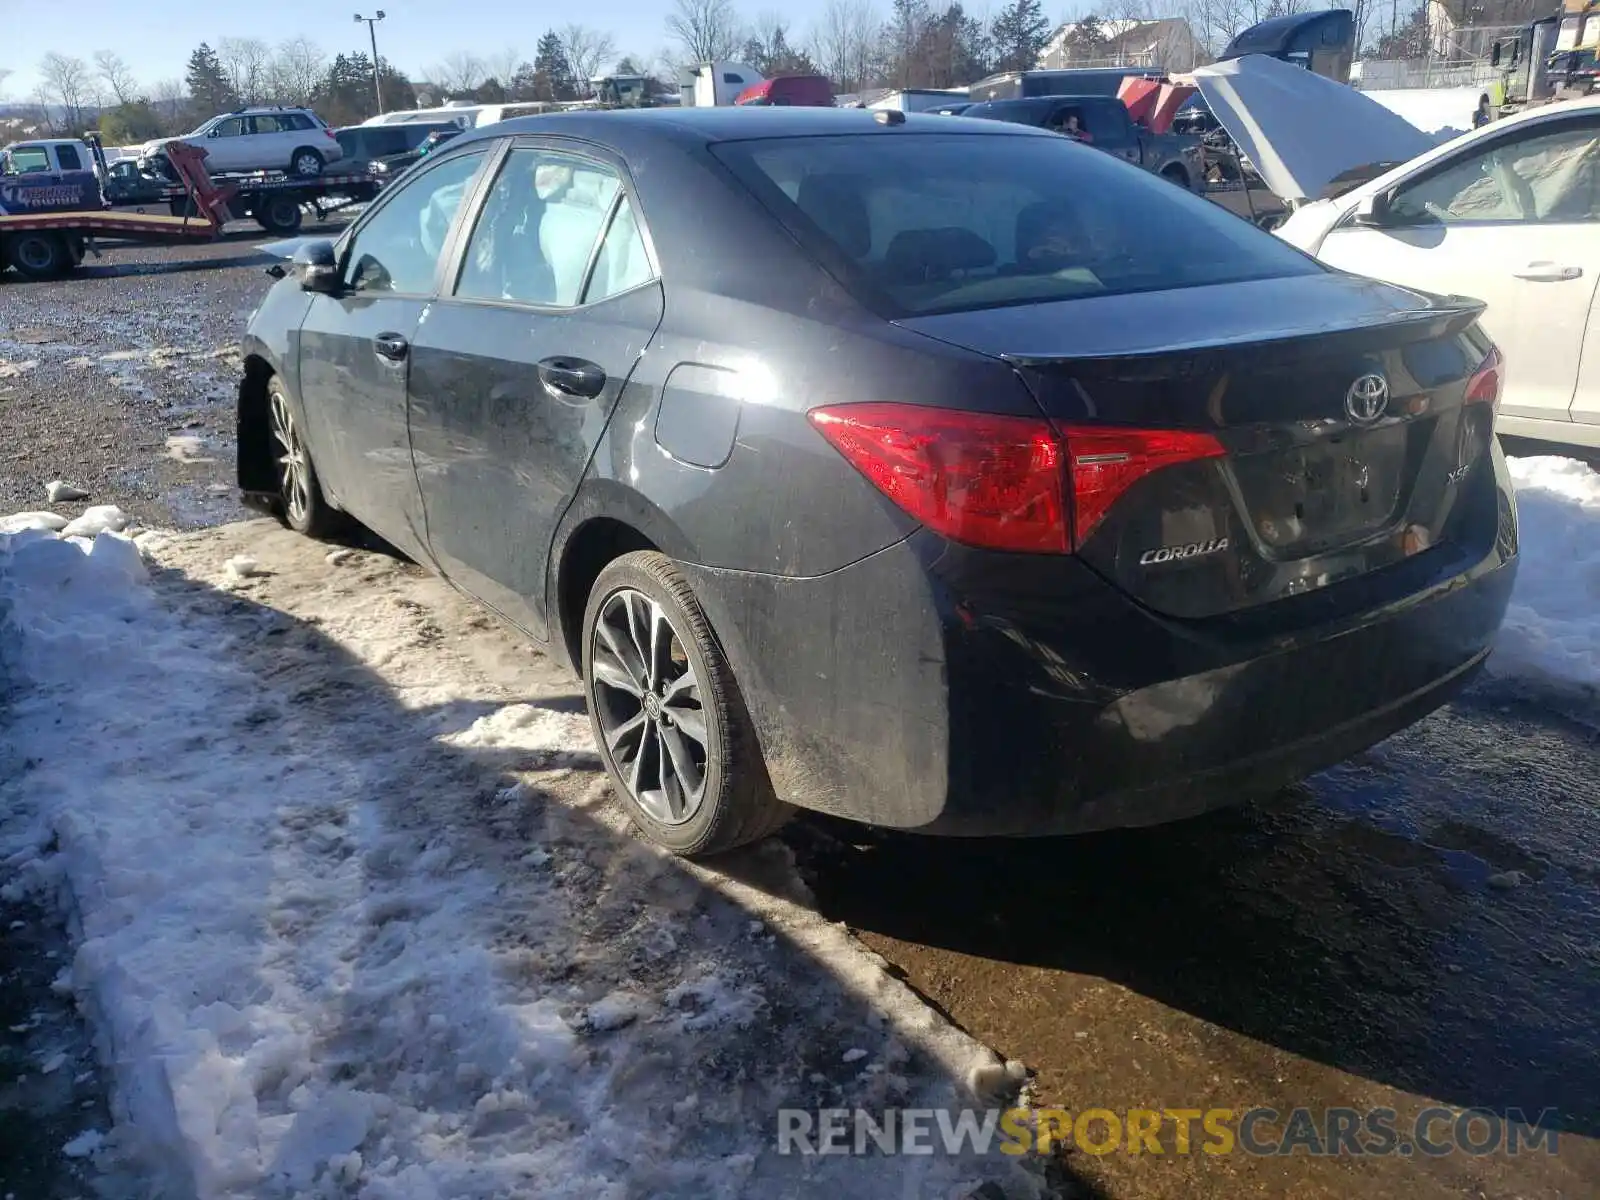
x=1367 y=398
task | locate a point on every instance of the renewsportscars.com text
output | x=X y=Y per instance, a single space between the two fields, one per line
x=1329 y=1132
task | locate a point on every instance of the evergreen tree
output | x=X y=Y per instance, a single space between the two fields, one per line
x=555 y=72
x=1020 y=32
x=210 y=92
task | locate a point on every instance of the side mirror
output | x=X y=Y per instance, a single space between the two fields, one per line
x=1374 y=211
x=316 y=266
x=1494 y=55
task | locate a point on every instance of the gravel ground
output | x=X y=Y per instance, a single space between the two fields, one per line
x=121 y=380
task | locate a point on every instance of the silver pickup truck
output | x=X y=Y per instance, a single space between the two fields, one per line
x=1103 y=122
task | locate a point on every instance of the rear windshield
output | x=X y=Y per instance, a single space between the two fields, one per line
x=926 y=223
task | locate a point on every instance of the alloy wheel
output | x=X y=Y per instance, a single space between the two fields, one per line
x=295 y=482
x=649 y=706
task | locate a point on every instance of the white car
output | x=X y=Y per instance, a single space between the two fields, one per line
x=1508 y=214
x=262 y=139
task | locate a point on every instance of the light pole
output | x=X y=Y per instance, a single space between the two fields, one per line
x=372 y=32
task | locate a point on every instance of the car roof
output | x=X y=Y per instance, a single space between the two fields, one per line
x=724 y=124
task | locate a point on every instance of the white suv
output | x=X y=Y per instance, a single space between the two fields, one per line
x=261 y=139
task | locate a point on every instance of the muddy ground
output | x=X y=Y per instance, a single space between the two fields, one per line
x=1420 y=926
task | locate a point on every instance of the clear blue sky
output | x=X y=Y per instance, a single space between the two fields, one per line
x=156 y=36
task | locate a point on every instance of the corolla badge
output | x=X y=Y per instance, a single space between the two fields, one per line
x=1367 y=398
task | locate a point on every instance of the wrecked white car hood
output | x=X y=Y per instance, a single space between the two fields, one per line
x=1299 y=130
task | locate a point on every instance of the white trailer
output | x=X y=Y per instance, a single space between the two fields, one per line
x=707 y=85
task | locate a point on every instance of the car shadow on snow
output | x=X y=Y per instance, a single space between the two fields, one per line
x=491 y=970
x=1423 y=916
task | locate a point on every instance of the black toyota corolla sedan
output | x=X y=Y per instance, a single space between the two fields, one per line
x=943 y=475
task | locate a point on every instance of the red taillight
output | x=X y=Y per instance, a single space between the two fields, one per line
x=988 y=481
x=1001 y=482
x=1486 y=382
x=1106 y=461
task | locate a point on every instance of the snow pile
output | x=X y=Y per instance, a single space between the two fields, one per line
x=356 y=918
x=1552 y=629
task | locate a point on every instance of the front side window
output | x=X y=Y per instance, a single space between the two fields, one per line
x=25 y=160
x=922 y=223
x=232 y=127
x=398 y=250
x=1552 y=177
x=538 y=228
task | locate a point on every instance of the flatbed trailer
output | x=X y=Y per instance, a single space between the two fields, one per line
x=43 y=245
x=276 y=203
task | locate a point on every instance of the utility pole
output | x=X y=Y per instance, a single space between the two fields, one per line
x=372 y=32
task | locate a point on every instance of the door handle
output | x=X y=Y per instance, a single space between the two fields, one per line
x=571 y=377
x=1548 y=272
x=390 y=346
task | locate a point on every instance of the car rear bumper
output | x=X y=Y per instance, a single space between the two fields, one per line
x=952 y=691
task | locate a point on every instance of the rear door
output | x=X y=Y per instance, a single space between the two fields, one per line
x=1514 y=222
x=515 y=372
x=355 y=348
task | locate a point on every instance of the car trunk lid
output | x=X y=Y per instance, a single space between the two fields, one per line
x=1335 y=410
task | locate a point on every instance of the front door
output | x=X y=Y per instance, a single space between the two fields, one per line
x=1516 y=224
x=516 y=370
x=355 y=349
x=226 y=146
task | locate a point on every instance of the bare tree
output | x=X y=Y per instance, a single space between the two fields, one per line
x=1361 y=11
x=706 y=29
x=587 y=51
x=460 y=72
x=170 y=99
x=116 y=75
x=298 y=69
x=67 y=85
x=1214 y=22
x=843 y=42
x=503 y=64
x=247 y=62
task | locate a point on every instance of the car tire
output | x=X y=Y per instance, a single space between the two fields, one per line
x=300 y=503
x=1176 y=174
x=644 y=635
x=279 y=214
x=39 y=254
x=306 y=162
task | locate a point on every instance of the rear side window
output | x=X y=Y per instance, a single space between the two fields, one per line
x=922 y=223
x=387 y=141
x=1106 y=122
x=67 y=156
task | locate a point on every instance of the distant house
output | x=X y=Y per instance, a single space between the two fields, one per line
x=1165 y=45
x=1463 y=30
